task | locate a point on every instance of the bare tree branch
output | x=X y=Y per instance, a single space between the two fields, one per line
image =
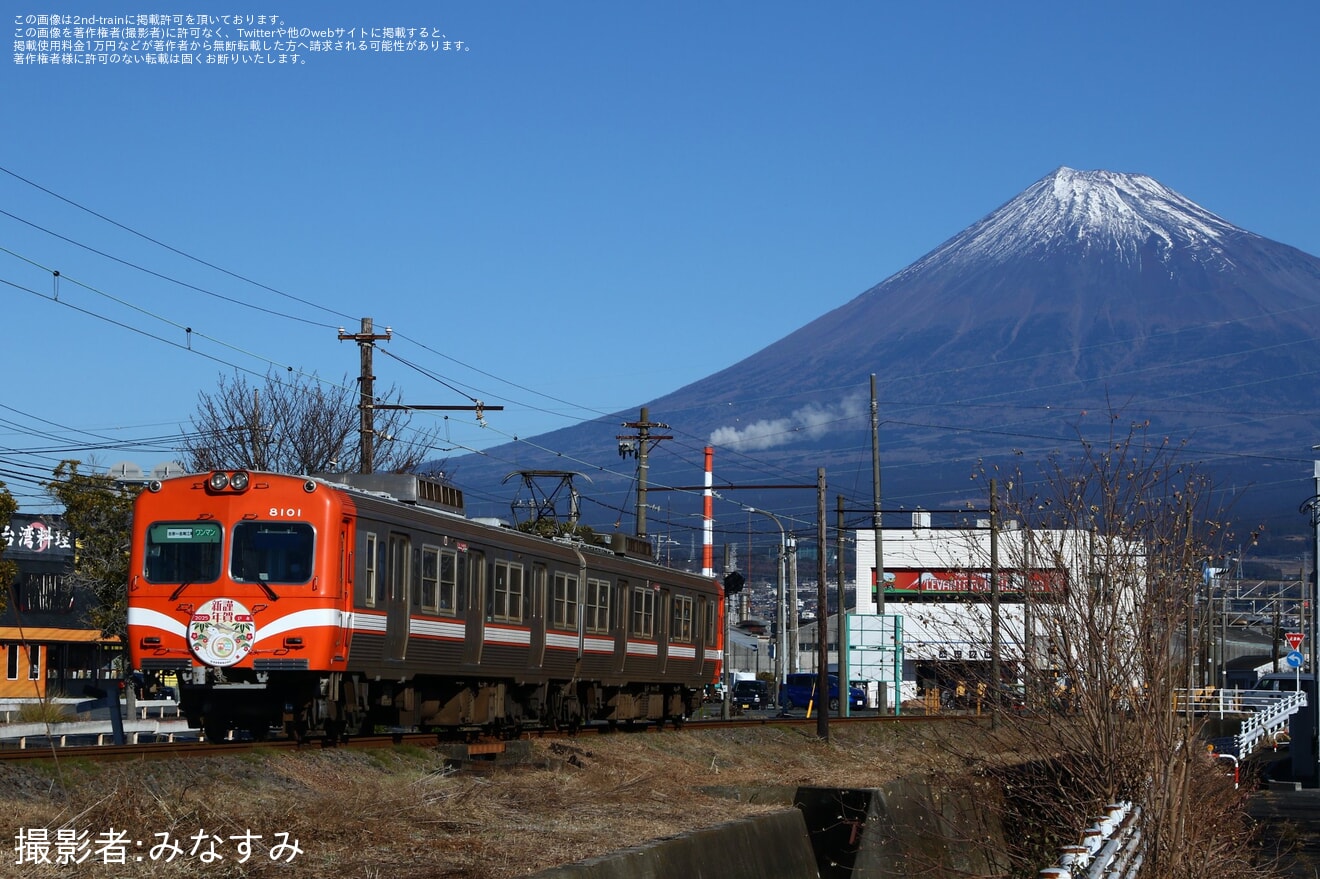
x=297 y=424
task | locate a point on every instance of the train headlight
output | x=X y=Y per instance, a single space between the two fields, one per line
x=239 y=481
x=218 y=481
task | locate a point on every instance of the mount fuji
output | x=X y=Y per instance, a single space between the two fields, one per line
x=1091 y=299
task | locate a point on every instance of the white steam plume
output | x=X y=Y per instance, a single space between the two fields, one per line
x=812 y=421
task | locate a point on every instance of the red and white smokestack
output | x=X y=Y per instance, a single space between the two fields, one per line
x=708 y=526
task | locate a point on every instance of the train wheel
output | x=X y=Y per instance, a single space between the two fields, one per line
x=215 y=731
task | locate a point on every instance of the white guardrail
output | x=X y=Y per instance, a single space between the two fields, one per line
x=1110 y=848
x=1264 y=713
x=157 y=718
x=1268 y=718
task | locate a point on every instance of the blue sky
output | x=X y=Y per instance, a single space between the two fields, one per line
x=587 y=205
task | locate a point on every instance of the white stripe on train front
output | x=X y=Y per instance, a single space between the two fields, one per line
x=141 y=616
x=303 y=619
x=315 y=618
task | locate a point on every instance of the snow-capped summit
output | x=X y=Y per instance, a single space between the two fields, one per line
x=1125 y=217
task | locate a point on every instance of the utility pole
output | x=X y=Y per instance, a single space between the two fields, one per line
x=875 y=504
x=258 y=448
x=996 y=676
x=1315 y=621
x=730 y=565
x=845 y=674
x=823 y=620
x=366 y=340
x=639 y=445
x=794 y=661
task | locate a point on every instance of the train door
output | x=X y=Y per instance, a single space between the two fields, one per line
x=665 y=607
x=398 y=571
x=344 y=585
x=622 y=623
x=476 y=607
x=700 y=632
x=536 y=615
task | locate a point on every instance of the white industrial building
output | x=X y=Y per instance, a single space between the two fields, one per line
x=937 y=629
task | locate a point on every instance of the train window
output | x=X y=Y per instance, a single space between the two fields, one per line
x=460 y=567
x=430 y=580
x=508 y=595
x=709 y=615
x=681 y=630
x=370 y=578
x=643 y=612
x=183 y=552
x=272 y=552
x=597 y=605
x=451 y=597
x=439 y=582
x=565 y=601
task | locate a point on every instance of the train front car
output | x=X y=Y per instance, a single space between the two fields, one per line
x=236 y=584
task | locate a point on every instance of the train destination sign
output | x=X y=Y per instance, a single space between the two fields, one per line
x=176 y=532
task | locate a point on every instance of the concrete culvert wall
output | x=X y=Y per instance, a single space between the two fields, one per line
x=772 y=846
x=908 y=828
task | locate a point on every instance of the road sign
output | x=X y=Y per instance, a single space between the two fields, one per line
x=1294 y=639
x=1295 y=659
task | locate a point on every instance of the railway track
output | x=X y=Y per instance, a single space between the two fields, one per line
x=482 y=748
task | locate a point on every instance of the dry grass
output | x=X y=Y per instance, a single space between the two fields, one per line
x=401 y=813
x=45 y=711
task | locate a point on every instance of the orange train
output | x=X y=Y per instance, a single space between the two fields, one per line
x=340 y=604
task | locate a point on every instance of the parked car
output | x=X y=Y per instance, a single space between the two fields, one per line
x=1288 y=681
x=749 y=695
x=799 y=690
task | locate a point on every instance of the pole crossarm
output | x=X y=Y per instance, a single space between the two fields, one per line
x=479 y=407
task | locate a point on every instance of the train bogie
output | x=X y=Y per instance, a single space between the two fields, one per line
x=320 y=608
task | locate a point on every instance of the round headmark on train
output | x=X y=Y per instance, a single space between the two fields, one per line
x=221 y=632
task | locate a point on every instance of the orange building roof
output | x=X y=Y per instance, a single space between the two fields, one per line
x=50 y=633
